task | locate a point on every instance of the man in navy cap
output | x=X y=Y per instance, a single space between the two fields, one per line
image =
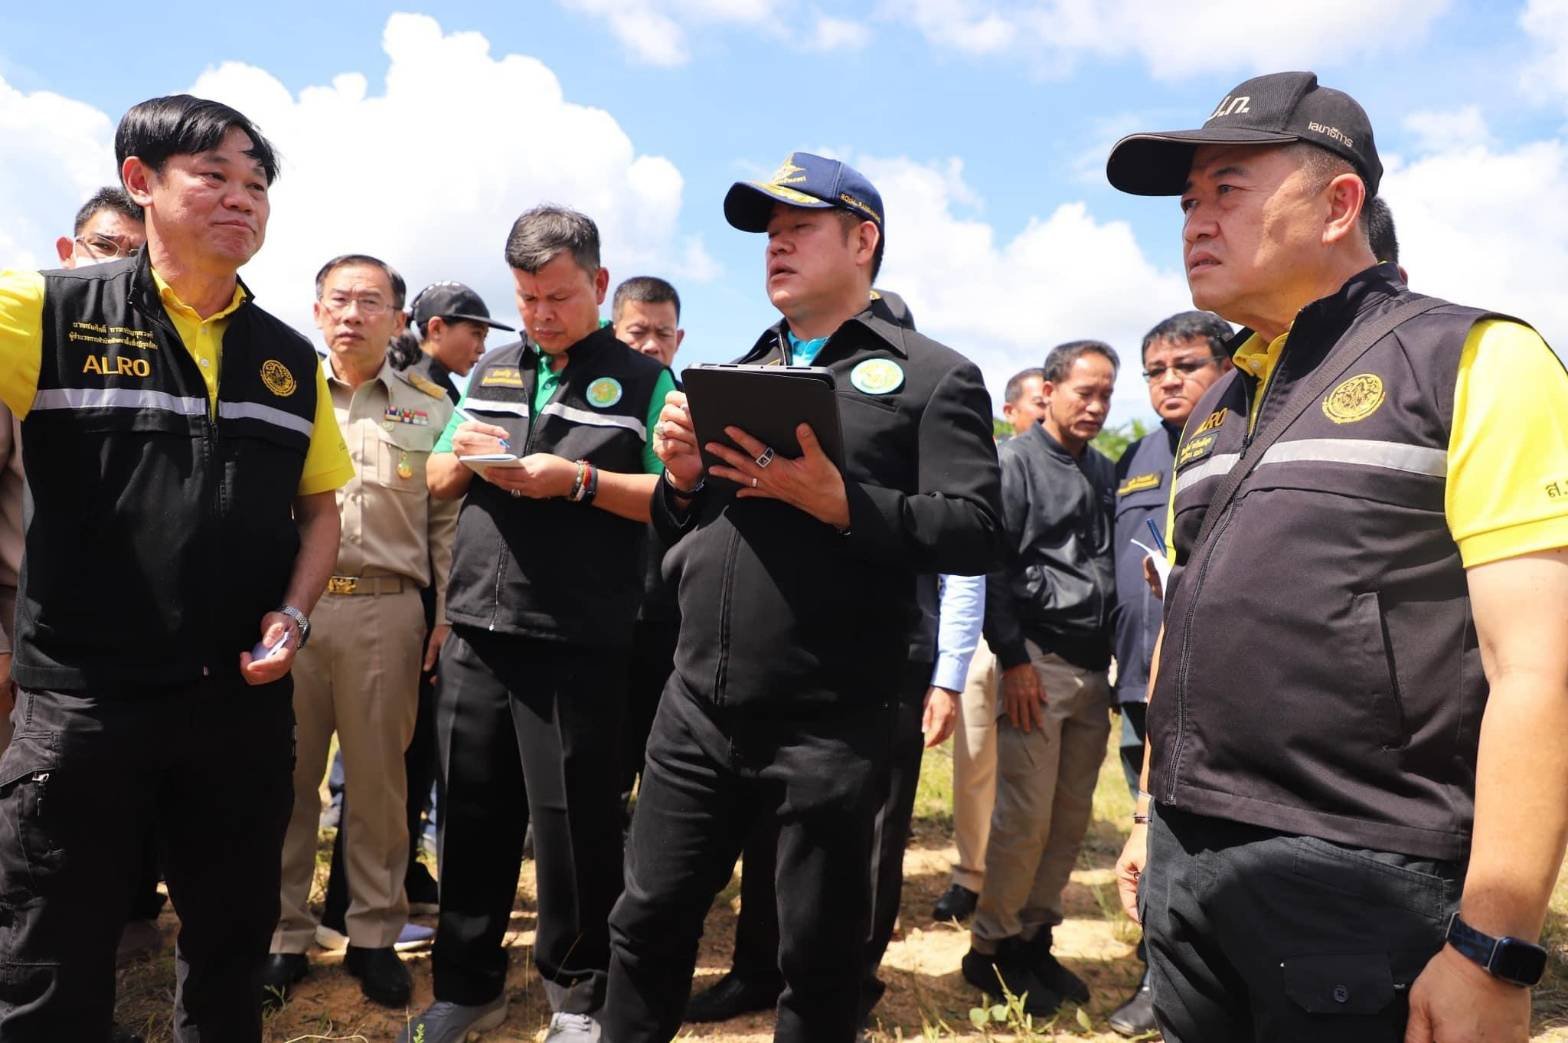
x=798 y=602
x=1349 y=828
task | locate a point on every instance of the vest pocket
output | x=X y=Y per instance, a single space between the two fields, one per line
x=1382 y=676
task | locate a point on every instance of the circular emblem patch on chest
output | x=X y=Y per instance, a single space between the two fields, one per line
x=877 y=376
x=604 y=392
x=1355 y=399
x=278 y=379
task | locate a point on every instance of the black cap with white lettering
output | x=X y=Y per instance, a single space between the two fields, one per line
x=1275 y=109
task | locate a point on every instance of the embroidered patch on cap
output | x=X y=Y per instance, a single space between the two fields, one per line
x=1355 y=399
x=604 y=392
x=278 y=379
x=877 y=376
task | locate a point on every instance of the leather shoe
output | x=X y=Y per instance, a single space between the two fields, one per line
x=382 y=977
x=730 y=998
x=1136 y=1016
x=957 y=903
x=1009 y=970
x=281 y=970
x=1051 y=972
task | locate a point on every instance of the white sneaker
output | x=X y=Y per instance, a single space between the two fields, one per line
x=572 y=1028
x=330 y=940
x=446 y=1022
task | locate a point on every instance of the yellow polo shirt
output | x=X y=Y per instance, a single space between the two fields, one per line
x=1507 y=491
x=327 y=464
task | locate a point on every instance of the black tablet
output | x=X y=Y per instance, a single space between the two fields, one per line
x=768 y=403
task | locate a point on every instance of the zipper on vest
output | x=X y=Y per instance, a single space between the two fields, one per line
x=726 y=608
x=1184 y=663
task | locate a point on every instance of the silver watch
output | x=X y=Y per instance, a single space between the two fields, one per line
x=300 y=620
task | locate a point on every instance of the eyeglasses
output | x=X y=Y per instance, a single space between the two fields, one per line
x=369 y=307
x=1184 y=368
x=106 y=247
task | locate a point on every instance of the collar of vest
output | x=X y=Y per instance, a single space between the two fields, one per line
x=143 y=291
x=590 y=347
x=885 y=317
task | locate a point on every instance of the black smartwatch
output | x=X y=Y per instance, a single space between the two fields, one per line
x=1513 y=960
x=301 y=621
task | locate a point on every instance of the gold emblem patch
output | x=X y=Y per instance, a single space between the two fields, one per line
x=1215 y=419
x=278 y=379
x=1355 y=399
x=788 y=173
x=1138 y=483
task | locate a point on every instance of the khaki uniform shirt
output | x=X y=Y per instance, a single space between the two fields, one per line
x=11 y=493
x=391 y=525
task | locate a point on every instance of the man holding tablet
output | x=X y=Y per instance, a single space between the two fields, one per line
x=797 y=595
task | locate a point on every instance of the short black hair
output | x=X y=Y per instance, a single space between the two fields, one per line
x=399 y=287
x=853 y=221
x=1015 y=384
x=1380 y=231
x=114 y=199
x=544 y=231
x=1059 y=362
x=646 y=289
x=1191 y=325
x=182 y=125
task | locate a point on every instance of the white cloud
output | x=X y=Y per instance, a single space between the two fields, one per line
x=838 y=34
x=656 y=31
x=1546 y=21
x=1005 y=302
x=420 y=174
x=1444 y=131
x=1174 y=40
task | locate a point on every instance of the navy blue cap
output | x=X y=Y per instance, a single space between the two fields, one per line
x=803 y=180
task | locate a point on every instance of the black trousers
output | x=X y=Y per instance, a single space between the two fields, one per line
x=652 y=660
x=710 y=778
x=212 y=764
x=1258 y=935
x=513 y=709
x=419 y=761
x=757 y=928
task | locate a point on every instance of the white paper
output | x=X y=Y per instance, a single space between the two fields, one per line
x=1162 y=564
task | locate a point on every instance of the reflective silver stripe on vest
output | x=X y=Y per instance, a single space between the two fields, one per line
x=266 y=414
x=584 y=416
x=490 y=405
x=1214 y=467
x=118 y=398
x=1393 y=456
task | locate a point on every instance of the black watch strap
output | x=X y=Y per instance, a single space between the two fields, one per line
x=1513 y=960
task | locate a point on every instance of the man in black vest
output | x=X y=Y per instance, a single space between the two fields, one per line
x=1354 y=827
x=1182 y=357
x=798 y=607
x=183 y=526
x=546 y=580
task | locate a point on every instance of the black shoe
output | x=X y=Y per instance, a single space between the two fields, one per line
x=382 y=977
x=281 y=970
x=424 y=897
x=957 y=903
x=1136 y=1016
x=1051 y=973
x=730 y=998
x=1010 y=968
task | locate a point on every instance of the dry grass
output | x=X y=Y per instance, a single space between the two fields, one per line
x=926 y=997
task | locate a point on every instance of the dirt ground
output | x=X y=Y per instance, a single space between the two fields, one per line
x=926 y=997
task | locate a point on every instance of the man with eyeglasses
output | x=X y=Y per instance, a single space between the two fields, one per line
x=360 y=676
x=108 y=227
x=1182 y=356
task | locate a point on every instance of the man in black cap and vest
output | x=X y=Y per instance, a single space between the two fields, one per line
x=1349 y=828
x=183 y=526
x=798 y=604
x=546 y=580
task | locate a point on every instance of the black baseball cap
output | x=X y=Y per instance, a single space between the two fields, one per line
x=452 y=300
x=1279 y=108
x=804 y=180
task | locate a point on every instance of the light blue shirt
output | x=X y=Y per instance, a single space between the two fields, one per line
x=804 y=352
x=960 y=614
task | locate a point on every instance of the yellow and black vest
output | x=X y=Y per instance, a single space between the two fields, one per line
x=160 y=533
x=555 y=569
x=1320 y=673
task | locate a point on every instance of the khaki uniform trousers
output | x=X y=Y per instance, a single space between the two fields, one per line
x=358 y=675
x=974 y=768
x=1044 y=800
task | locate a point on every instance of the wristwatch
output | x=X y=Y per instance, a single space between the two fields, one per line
x=1513 y=960
x=300 y=620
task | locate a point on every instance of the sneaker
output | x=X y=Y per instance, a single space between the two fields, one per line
x=414 y=937
x=957 y=903
x=572 y=1028
x=1046 y=967
x=331 y=938
x=444 y=1022
x=1136 y=1016
x=1008 y=972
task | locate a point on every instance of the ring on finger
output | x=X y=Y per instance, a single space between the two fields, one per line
x=766 y=457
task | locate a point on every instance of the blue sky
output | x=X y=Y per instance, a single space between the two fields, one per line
x=985 y=125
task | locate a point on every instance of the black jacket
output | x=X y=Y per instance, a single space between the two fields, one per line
x=1143 y=490
x=780 y=613
x=1057 y=584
